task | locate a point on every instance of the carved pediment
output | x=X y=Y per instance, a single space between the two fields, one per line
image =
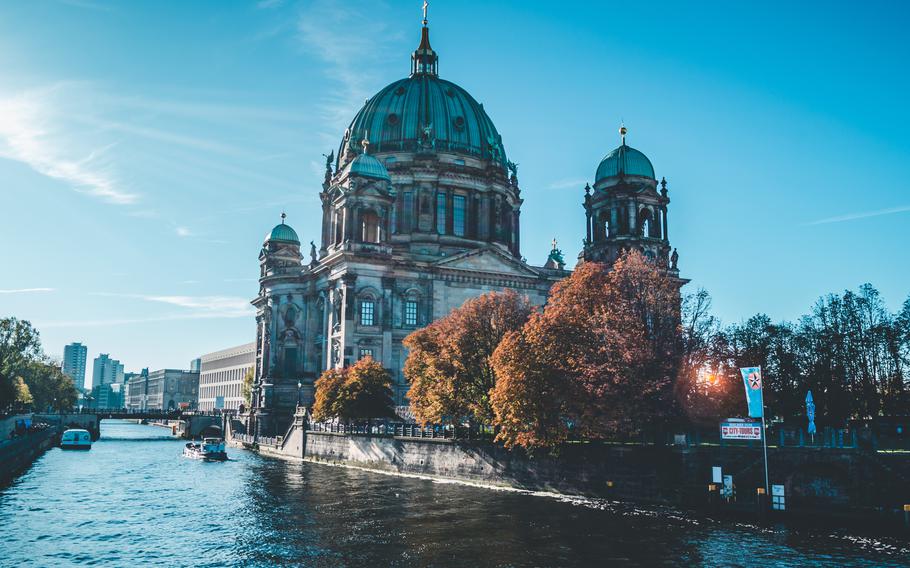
x=488 y=260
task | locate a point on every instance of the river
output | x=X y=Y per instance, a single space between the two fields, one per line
x=134 y=501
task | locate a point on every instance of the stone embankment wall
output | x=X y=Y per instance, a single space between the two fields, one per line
x=817 y=481
x=19 y=453
x=823 y=482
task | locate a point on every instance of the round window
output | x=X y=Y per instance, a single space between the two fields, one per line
x=459 y=122
x=393 y=119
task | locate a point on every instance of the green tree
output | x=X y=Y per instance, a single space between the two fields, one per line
x=50 y=388
x=246 y=387
x=19 y=344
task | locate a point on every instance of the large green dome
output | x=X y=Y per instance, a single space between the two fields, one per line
x=424 y=112
x=626 y=161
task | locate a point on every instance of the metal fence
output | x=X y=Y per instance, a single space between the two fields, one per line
x=403 y=430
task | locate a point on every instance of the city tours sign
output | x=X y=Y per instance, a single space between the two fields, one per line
x=739 y=429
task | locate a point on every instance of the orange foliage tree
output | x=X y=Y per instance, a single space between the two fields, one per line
x=448 y=362
x=361 y=391
x=601 y=358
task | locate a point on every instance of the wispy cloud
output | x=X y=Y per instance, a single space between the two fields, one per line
x=183 y=232
x=25 y=290
x=131 y=321
x=225 y=306
x=265 y=4
x=861 y=215
x=30 y=133
x=87 y=5
x=193 y=306
x=350 y=40
x=567 y=183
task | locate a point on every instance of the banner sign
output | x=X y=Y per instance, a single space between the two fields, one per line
x=753 y=383
x=740 y=430
x=810 y=412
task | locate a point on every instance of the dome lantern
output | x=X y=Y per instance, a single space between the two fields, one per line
x=424 y=60
x=624 y=161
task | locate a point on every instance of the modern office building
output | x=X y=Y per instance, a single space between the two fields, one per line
x=221 y=376
x=106 y=371
x=196 y=364
x=74 y=358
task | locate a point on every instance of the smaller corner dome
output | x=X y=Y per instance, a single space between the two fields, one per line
x=283 y=233
x=626 y=161
x=367 y=166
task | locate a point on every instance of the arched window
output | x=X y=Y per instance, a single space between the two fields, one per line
x=645 y=222
x=369 y=227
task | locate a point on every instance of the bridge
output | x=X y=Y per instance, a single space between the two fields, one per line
x=187 y=423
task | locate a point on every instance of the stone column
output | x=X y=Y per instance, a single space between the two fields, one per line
x=516 y=235
x=633 y=228
x=588 y=227
x=326 y=226
x=664 y=216
x=348 y=232
x=388 y=289
x=357 y=230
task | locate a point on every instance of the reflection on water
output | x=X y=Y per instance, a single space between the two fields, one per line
x=134 y=500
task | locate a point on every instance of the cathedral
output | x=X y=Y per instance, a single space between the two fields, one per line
x=421 y=211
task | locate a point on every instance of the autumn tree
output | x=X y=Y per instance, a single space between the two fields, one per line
x=361 y=391
x=601 y=358
x=448 y=362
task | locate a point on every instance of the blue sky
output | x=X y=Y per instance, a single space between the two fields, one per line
x=147 y=147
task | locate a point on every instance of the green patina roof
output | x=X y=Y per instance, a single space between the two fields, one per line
x=626 y=161
x=395 y=118
x=368 y=166
x=284 y=233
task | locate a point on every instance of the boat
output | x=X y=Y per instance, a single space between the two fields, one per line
x=76 y=439
x=210 y=449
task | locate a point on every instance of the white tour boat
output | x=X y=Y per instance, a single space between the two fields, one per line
x=76 y=439
x=208 y=449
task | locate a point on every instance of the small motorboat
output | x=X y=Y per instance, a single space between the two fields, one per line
x=211 y=449
x=76 y=439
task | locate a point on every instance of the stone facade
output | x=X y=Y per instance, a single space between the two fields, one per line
x=420 y=212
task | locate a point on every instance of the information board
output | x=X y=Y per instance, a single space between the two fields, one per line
x=740 y=430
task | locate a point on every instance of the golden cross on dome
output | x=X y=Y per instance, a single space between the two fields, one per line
x=622 y=132
x=425 y=6
x=366 y=141
x=553 y=242
x=283 y=216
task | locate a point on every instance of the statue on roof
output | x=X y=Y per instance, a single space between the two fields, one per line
x=555 y=259
x=513 y=168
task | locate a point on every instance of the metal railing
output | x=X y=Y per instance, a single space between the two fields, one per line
x=402 y=430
